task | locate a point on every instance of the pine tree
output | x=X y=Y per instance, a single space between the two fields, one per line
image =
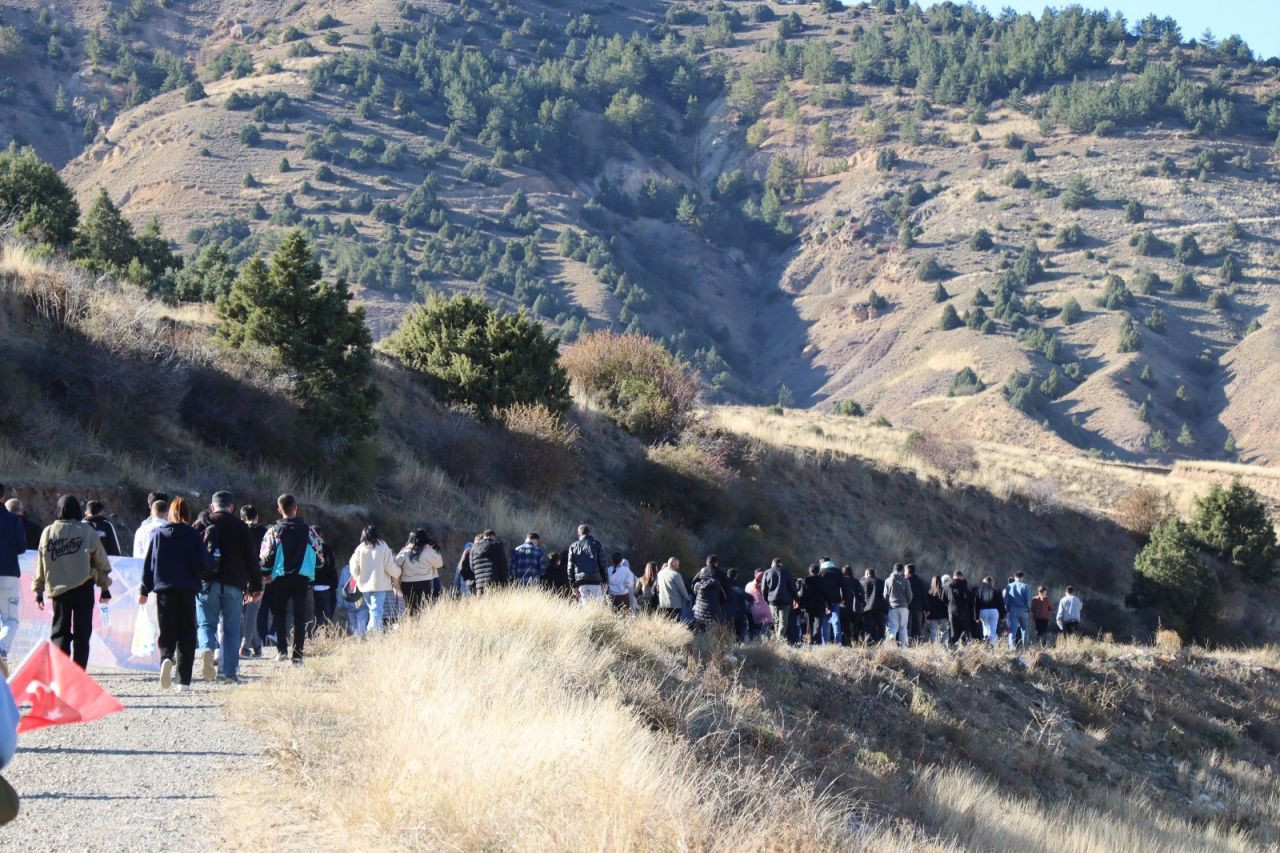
x=1185 y=438
x=950 y=319
x=1233 y=523
x=33 y=195
x=1169 y=578
x=105 y=242
x=307 y=323
x=155 y=257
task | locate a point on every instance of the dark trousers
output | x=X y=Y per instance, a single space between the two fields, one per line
x=419 y=593
x=846 y=625
x=1042 y=631
x=961 y=626
x=325 y=602
x=915 y=625
x=265 y=613
x=176 y=612
x=873 y=625
x=1068 y=628
x=672 y=613
x=295 y=590
x=73 y=622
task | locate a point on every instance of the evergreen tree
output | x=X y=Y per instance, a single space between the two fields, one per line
x=207 y=278
x=950 y=319
x=324 y=344
x=470 y=353
x=105 y=241
x=156 y=257
x=1233 y=523
x=33 y=195
x=1169 y=577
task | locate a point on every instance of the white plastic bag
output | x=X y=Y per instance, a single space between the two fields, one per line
x=146 y=631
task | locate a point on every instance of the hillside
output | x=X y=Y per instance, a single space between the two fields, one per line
x=737 y=180
x=610 y=734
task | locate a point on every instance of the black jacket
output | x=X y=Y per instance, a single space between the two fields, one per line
x=257 y=532
x=919 y=593
x=586 y=566
x=995 y=602
x=175 y=559
x=710 y=595
x=813 y=595
x=107 y=533
x=33 y=532
x=873 y=600
x=936 y=606
x=780 y=588
x=238 y=546
x=959 y=598
x=487 y=564
x=831 y=586
x=852 y=595
x=327 y=574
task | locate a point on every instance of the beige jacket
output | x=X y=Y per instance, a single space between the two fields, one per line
x=374 y=568
x=70 y=553
x=425 y=568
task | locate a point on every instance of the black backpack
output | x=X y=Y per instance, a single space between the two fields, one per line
x=584 y=566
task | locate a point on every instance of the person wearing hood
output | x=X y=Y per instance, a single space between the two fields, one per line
x=959 y=600
x=990 y=607
x=710 y=595
x=70 y=562
x=175 y=568
x=622 y=582
x=376 y=573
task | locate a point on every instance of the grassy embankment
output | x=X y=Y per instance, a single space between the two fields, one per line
x=526 y=723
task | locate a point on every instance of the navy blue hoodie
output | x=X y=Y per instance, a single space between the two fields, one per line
x=175 y=559
x=13 y=541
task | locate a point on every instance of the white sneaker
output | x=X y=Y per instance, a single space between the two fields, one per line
x=166 y=674
x=207 y=669
x=184 y=688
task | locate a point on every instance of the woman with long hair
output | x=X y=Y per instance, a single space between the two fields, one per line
x=376 y=573
x=990 y=606
x=647 y=588
x=761 y=615
x=70 y=561
x=935 y=610
x=419 y=562
x=175 y=563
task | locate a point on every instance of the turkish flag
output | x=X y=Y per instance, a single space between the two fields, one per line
x=51 y=690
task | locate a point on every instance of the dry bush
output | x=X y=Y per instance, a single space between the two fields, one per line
x=949 y=457
x=1039 y=496
x=1141 y=508
x=540 y=447
x=635 y=381
x=541 y=716
x=1169 y=641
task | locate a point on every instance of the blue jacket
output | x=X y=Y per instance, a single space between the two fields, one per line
x=175 y=559
x=1017 y=597
x=13 y=541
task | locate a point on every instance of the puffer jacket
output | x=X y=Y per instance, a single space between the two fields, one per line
x=486 y=564
x=709 y=596
x=69 y=554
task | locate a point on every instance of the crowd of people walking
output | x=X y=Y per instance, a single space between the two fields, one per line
x=226 y=584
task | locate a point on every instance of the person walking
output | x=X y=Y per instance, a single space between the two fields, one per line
x=647 y=588
x=917 y=610
x=674 y=597
x=1042 y=614
x=1017 y=607
x=813 y=601
x=486 y=564
x=291 y=551
x=376 y=572
x=529 y=562
x=324 y=592
x=175 y=568
x=936 y=611
x=875 y=609
x=586 y=567
x=250 y=630
x=420 y=563
x=959 y=600
x=352 y=613
x=1070 y=609
x=761 y=613
x=897 y=593
x=13 y=543
x=32 y=529
x=781 y=591
x=158 y=509
x=989 y=606
x=233 y=580
x=96 y=516
x=710 y=595
x=621 y=584
x=70 y=562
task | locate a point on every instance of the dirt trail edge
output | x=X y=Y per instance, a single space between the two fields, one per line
x=144 y=779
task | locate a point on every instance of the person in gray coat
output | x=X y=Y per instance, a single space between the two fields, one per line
x=673 y=593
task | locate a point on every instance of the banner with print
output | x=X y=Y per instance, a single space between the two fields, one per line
x=124 y=632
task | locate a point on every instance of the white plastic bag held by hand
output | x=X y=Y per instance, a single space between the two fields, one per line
x=146 y=631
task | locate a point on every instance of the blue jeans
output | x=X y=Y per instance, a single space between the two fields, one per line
x=990 y=620
x=220 y=601
x=831 y=631
x=1019 y=620
x=377 y=602
x=357 y=620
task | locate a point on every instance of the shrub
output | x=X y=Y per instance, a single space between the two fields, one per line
x=886 y=160
x=1146 y=282
x=540 y=446
x=474 y=355
x=950 y=319
x=1130 y=338
x=940 y=293
x=35 y=198
x=1185 y=286
x=250 y=135
x=1134 y=211
x=930 y=270
x=1147 y=244
x=1141 y=508
x=1188 y=250
x=1021 y=393
x=965 y=383
x=849 y=408
x=981 y=241
x=1070 y=236
x=1229 y=272
x=1071 y=312
x=1078 y=194
x=947 y=456
x=635 y=381
x=915 y=194
x=1156 y=321
x=1169 y=577
x=1017 y=179
x=1116 y=295
x=1233 y=523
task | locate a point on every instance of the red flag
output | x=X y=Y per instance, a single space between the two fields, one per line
x=51 y=690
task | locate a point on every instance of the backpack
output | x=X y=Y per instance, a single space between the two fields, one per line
x=584 y=565
x=213 y=544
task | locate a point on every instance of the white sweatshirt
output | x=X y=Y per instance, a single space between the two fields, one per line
x=621 y=581
x=374 y=568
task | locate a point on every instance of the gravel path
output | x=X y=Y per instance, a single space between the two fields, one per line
x=144 y=779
